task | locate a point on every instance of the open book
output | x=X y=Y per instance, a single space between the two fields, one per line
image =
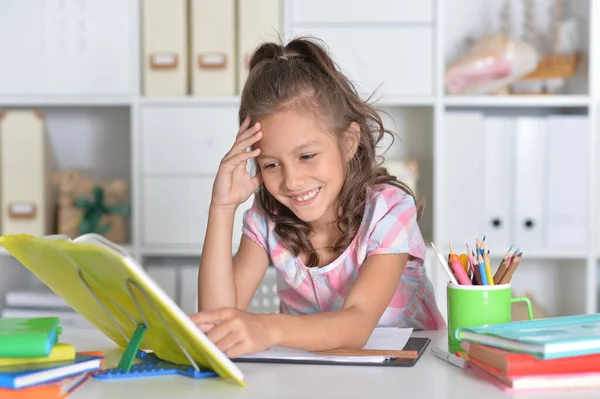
x=109 y=288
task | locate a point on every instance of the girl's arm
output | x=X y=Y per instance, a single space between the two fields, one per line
x=222 y=281
x=351 y=326
x=238 y=333
x=219 y=284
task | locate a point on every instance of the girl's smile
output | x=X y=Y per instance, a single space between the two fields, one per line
x=305 y=198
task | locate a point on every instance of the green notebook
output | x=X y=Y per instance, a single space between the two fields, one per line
x=28 y=337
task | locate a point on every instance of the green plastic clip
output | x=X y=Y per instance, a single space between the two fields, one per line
x=132 y=348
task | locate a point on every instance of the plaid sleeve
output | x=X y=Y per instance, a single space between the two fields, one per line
x=394 y=228
x=254 y=225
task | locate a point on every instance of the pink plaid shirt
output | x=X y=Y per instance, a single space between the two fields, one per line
x=389 y=226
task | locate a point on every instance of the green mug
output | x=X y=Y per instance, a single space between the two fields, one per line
x=478 y=305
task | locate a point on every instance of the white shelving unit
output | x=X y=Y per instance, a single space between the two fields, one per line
x=404 y=46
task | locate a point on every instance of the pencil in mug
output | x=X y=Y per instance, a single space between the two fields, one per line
x=476 y=273
x=511 y=270
x=488 y=268
x=477 y=270
x=482 y=272
x=481 y=246
x=504 y=263
x=458 y=269
x=442 y=261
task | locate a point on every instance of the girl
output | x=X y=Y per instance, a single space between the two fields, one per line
x=340 y=231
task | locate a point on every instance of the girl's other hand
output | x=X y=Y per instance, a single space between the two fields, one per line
x=233 y=184
x=236 y=332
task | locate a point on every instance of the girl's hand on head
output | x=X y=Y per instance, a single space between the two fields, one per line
x=233 y=184
x=236 y=332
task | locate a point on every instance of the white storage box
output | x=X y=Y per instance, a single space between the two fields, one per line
x=26 y=164
x=164 y=43
x=212 y=35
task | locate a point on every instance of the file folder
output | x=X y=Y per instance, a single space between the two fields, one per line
x=498 y=155
x=530 y=182
x=212 y=47
x=568 y=193
x=27 y=195
x=164 y=38
x=462 y=170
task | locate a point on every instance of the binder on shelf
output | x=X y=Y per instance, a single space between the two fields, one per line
x=27 y=196
x=497 y=194
x=212 y=36
x=568 y=195
x=530 y=182
x=259 y=22
x=108 y=287
x=164 y=38
x=462 y=169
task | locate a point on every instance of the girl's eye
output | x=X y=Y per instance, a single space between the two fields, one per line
x=307 y=156
x=270 y=165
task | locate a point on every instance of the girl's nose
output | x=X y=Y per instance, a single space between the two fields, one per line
x=293 y=179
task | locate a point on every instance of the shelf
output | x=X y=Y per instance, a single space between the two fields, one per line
x=175 y=250
x=407 y=101
x=171 y=251
x=542 y=254
x=188 y=101
x=126 y=247
x=518 y=101
x=60 y=101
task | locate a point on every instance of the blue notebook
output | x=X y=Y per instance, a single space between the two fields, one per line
x=22 y=376
x=550 y=338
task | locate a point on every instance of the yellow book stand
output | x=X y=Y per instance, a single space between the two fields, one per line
x=108 y=287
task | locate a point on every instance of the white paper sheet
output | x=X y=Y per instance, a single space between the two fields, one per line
x=388 y=338
x=382 y=338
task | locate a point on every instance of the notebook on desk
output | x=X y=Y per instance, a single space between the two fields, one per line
x=387 y=346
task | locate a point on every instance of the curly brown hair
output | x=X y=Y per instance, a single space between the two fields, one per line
x=302 y=76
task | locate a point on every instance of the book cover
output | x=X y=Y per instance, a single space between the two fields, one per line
x=551 y=338
x=536 y=382
x=60 y=352
x=56 y=390
x=22 y=376
x=521 y=364
x=28 y=337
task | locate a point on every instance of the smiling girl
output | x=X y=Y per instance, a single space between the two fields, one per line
x=341 y=232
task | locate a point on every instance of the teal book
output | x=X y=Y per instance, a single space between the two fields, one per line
x=28 y=337
x=550 y=338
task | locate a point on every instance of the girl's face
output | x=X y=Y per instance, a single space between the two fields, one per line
x=302 y=166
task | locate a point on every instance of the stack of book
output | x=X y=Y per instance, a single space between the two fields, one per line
x=35 y=364
x=553 y=353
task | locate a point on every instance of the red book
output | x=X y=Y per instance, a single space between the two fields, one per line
x=519 y=364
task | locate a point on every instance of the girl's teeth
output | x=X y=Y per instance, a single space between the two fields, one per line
x=307 y=196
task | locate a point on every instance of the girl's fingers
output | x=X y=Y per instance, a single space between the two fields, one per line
x=239 y=349
x=245 y=124
x=220 y=331
x=206 y=327
x=248 y=132
x=242 y=144
x=232 y=162
x=229 y=341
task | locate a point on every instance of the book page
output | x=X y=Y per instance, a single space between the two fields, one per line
x=386 y=338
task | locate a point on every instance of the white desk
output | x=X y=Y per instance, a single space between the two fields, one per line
x=429 y=378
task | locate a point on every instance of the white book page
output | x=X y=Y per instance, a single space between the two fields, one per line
x=385 y=338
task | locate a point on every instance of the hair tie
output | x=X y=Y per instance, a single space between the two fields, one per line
x=283 y=57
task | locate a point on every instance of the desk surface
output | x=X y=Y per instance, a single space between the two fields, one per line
x=429 y=378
